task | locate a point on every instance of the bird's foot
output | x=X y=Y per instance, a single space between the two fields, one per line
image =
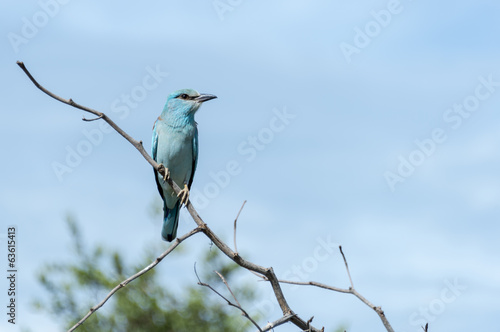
x=166 y=171
x=184 y=195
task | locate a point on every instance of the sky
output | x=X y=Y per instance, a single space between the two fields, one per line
x=369 y=125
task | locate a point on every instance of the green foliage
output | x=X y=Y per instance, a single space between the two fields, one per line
x=145 y=304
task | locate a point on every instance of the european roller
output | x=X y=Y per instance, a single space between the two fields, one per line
x=175 y=146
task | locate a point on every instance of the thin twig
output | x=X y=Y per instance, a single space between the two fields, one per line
x=316 y=284
x=378 y=310
x=235 y=220
x=238 y=306
x=135 y=276
x=227 y=285
x=346 y=266
x=88 y=120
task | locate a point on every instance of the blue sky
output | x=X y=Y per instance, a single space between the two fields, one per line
x=309 y=132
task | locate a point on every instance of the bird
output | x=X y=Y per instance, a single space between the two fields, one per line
x=175 y=147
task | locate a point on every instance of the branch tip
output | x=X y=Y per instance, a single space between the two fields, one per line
x=347 y=268
x=235 y=221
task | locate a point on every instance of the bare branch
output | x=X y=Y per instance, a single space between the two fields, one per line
x=237 y=305
x=235 y=220
x=135 y=276
x=268 y=272
x=265 y=273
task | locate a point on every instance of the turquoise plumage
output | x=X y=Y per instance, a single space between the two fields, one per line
x=175 y=146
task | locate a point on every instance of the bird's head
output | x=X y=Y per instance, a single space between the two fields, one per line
x=186 y=101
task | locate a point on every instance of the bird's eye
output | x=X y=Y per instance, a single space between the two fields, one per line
x=184 y=96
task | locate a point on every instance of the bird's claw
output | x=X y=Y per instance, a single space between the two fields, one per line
x=166 y=171
x=184 y=195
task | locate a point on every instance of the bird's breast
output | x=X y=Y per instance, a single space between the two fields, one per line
x=175 y=151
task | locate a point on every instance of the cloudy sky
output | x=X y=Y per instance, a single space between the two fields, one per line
x=369 y=124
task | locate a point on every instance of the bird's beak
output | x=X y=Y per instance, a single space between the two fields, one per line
x=204 y=97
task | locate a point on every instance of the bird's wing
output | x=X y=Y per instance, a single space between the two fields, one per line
x=154 y=143
x=195 y=157
x=154 y=149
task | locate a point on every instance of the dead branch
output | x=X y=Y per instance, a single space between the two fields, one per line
x=265 y=273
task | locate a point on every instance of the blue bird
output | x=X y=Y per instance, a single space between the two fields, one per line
x=175 y=146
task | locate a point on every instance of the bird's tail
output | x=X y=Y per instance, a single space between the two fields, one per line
x=170 y=222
